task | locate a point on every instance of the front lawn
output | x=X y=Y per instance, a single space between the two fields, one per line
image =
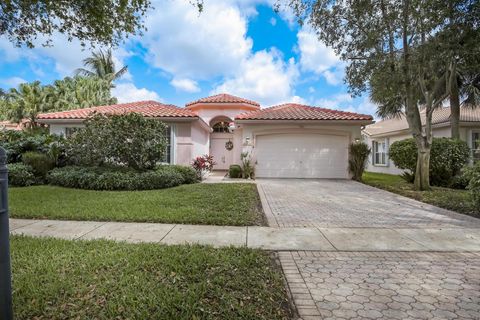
x=215 y=204
x=60 y=279
x=451 y=199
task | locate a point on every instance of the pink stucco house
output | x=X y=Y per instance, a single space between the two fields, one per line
x=288 y=141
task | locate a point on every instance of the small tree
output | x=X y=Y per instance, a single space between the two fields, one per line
x=127 y=139
x=357 y=161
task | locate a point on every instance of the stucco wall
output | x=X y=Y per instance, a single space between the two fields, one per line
x=208 y=113
x=200 y=140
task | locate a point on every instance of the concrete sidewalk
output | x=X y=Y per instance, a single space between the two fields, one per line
x=281 y=239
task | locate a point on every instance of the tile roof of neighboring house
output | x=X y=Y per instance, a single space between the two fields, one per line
x=441 y=115
x=7 y=125
x=223 y=98
x=293 y=111
x=150 y=109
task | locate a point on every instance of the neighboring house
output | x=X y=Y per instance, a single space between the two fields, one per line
x=7 y=125
x=288 y=140
x=381 y=135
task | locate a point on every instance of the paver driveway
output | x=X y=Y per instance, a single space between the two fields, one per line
x=373 y=285
x=384 y=285
x=344 y=203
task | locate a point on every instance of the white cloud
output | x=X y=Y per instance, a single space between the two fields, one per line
x=190 y=45
x=13 y=82
x=334 y=102
x=65 y=55
x=316 y=57
x=184 y=84
x=344 y=101
x=273 y=21
x=128 y=92
x=9 y=52
x=263 y=77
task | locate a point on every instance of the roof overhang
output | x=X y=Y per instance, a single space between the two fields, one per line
x=407 y=130
x=226 y=105
x=79 y=121
x=329 y=122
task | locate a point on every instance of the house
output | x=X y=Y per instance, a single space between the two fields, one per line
x=288 y=140
x=382 y=134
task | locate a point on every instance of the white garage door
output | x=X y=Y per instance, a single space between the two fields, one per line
x=301 y=156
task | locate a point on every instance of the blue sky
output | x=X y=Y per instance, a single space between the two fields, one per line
x=242 y=47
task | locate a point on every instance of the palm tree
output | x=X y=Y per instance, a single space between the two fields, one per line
x=27 y=102
x=101 y=65
x=466 y=86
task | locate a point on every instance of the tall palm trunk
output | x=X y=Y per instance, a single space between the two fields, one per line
x=454 y=105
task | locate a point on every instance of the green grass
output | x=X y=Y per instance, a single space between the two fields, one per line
x=60 y=279
x=215 y=204
x=451 y=199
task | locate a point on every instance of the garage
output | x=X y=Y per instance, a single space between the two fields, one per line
x=301 y=155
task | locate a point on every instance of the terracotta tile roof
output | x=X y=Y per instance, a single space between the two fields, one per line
x=441 y=115
x=224 y=98
x=150 y=109
x=293 y=111
x=7 y=125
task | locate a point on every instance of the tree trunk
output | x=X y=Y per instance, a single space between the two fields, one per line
x=422 y=174
x=455 y=110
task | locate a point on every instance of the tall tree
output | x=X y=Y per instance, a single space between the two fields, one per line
x=390 y=50
x=30 y=99
x=101 y=21
x=26 y=102
x=460 y=40
x=101 y=65
x=79 y=92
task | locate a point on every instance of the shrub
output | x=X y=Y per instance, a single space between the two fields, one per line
x=235 y=171
x=18 y=142
x=461 y=180
x=39 y=162
x=474 y=186
x=248 y=170
x=189 y=174
x=203 y=164
x=115 y=178
x=447 y=157
x=357 y=161
x=20 y=175
x=126 y=139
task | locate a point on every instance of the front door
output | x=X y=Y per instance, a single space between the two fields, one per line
x=218 y=149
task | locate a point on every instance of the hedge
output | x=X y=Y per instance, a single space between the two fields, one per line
x=114 y=178
x=447 y=157
x=21 y=175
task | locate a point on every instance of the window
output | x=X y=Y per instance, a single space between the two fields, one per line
x=168 y=152
x=379 y=152
x=70 y=131
x=222 y=127
x=476 y=145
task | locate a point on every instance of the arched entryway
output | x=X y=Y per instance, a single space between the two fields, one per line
x=221 y=142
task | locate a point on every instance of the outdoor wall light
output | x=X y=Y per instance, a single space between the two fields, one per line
x=247 y=141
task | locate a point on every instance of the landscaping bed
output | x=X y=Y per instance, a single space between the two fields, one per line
x=60 y=279
x=215 y=204
x=452 y=199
